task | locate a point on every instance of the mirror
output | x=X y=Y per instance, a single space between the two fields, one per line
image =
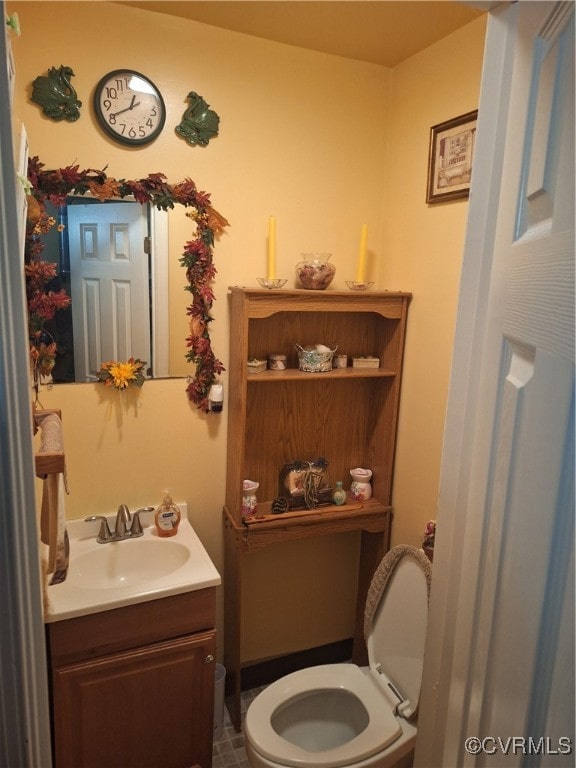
x=99 y=214
x=111 y=259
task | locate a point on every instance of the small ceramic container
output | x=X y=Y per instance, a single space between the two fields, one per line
x=361 y=488
x=249 y=500
x=277 y=362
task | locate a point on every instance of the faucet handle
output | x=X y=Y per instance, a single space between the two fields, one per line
x=136 y=527
x=105 y=535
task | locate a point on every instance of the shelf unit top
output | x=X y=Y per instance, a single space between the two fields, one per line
x=299 y=292
x=264 y=302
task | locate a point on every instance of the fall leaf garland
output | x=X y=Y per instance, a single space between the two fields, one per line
x=54 y=186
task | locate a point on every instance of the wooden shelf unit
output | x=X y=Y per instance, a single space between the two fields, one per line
x=349 y=416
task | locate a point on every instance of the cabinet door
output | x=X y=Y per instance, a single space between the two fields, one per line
x=151 y=707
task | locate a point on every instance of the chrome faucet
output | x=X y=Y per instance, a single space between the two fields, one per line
x=127 y=526
x=123 y=520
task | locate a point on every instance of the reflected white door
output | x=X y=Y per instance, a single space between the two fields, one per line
x=500 y=656
x=109 y=284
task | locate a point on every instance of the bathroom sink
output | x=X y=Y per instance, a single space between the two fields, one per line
x=120 y=573
x=123 y=563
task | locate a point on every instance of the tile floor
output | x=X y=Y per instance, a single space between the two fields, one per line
x=229 y=750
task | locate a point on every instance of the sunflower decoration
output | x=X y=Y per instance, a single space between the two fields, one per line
x=120 y=375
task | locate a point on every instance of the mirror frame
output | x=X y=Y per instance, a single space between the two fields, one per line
x=197 y=259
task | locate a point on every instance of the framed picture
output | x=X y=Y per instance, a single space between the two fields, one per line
x=450 y=158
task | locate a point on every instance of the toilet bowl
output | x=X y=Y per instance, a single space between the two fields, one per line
x=341 y=715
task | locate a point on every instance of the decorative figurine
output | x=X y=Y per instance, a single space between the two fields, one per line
x=199 y=122
x=56 y=95
x=304 y=484
x=279 y=505
x=429 y=539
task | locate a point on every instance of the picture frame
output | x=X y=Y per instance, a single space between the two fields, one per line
x=450 y=158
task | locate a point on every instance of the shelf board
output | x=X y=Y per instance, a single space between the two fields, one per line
x=265 y=515
x=371 y=515
x=49 y=463
x=295 y=374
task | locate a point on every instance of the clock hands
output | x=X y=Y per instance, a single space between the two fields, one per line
x=126 y=109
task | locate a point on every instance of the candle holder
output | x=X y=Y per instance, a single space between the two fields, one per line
x=272 y=282
x=357 y=285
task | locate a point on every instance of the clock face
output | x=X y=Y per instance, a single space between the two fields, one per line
x=129 y=107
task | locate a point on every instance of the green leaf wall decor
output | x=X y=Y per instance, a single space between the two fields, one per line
x=199 y=122
x=55 y=94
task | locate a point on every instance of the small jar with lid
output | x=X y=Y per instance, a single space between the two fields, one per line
x=277 y=362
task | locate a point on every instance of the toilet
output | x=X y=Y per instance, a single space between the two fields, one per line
x=342 y=715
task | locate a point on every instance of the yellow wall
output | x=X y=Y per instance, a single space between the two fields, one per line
x=324 y=144
x=421 y=252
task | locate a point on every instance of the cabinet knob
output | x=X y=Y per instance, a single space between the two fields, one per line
x=209 y=659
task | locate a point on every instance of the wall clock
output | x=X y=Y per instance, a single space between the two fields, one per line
x=129 y=107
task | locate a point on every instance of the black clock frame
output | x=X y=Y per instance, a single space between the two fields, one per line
x=102 y=119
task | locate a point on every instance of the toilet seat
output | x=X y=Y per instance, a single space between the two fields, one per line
x=382 y=729
x=395 y=636
x=338 y=715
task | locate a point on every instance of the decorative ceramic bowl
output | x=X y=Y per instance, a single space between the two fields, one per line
x=315 y=272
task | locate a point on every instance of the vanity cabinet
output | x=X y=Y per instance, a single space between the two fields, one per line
x=347 y=415
x=133 y=687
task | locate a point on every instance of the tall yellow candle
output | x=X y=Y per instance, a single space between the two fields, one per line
x=271 y=248
x=361 y=270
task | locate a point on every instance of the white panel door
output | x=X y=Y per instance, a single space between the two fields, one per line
x=109 y=284
x=500 y=654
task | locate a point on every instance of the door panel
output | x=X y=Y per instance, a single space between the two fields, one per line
x=527 y=436
x=149 y=707
x=109 y=284
x=500 y=654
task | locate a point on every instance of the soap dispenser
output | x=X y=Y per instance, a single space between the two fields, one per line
x=167 y=517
